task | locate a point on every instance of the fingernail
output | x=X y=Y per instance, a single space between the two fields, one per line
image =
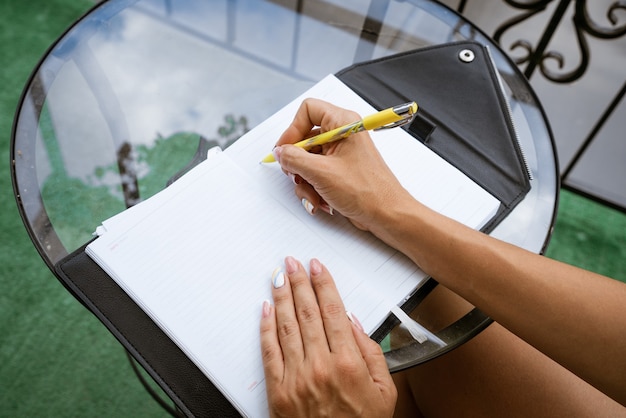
x=326 y=208
x=266 y=308
x=278 y=278
x=277 y=151
x=291 y=264
x=296 y=179
x=308 y=206
x=355 y=320
x=316 y=267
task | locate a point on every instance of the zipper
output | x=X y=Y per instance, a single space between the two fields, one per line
x=509 y=116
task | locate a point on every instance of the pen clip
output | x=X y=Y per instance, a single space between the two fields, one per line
x=407 y=111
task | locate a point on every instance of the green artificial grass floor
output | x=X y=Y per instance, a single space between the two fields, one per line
x=56 y=359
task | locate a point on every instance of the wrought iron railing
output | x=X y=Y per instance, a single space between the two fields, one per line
x=536 y=54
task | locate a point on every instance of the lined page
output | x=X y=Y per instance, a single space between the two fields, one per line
x=427 y=176
x=204 y=283
x=198 y=256
x=202 y=272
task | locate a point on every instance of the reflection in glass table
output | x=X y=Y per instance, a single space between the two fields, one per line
x=137 y=91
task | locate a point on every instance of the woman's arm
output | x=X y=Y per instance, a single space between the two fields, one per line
x=576 y=317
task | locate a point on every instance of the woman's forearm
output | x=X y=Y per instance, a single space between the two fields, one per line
x=574 y=316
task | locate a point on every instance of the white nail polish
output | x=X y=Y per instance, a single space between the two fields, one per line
x=308 y=206
x=355 y=320
x=278 y=278
x=324 y=206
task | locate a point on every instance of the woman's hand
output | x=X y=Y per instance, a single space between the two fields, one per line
x=316 y=361
x=348 y=176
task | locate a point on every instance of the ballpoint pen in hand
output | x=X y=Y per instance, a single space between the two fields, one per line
x=385 y=119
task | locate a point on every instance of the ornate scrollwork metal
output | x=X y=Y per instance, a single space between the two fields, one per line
x=583 y=24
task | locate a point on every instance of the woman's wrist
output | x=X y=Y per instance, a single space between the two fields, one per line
x=400 y=225
x=425 y=236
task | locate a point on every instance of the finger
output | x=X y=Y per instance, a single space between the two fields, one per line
x=315 y=113
x=299 y=128
x=295 y=178
x=310 y=166
x=315 y=150
x=372 y=355
x=288 y=329
x=307 y=309
x=311 y=201
x=336 y=323
x=271 y=352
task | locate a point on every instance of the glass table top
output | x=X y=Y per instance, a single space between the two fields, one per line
x=137 y=90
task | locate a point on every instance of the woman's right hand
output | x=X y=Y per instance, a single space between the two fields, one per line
x=348 y=176
x=317 y=359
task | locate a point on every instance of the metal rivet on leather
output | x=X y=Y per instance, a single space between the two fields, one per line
x=466 y=55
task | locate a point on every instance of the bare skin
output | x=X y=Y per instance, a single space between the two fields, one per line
x=559 y=340
x=318 y=363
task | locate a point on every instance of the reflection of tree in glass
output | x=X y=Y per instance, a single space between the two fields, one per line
x=228 y=134
x=169 y=157
x=233 y=130
x=76 y=206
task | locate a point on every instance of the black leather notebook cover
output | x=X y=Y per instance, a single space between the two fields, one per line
x=462 y=117
x=463 y=114
x=176 y=374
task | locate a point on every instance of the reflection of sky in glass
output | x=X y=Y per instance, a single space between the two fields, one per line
x=160 y=67
x=166 y=78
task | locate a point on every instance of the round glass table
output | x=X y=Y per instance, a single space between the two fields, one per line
x=136 y=91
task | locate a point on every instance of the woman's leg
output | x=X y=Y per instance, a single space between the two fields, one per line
x=498 y=375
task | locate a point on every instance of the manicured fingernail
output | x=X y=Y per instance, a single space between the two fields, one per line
x=266 y=308
x=355 y=320
x=278 y=278
x=296 y=179
x=277 y=151
x=291 y=264
x=308 y=206
x=326 y=208
x=316 y=267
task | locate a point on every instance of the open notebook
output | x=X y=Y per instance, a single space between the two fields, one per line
x=198 y=256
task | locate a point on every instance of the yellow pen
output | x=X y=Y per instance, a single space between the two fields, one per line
x=385 y=119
